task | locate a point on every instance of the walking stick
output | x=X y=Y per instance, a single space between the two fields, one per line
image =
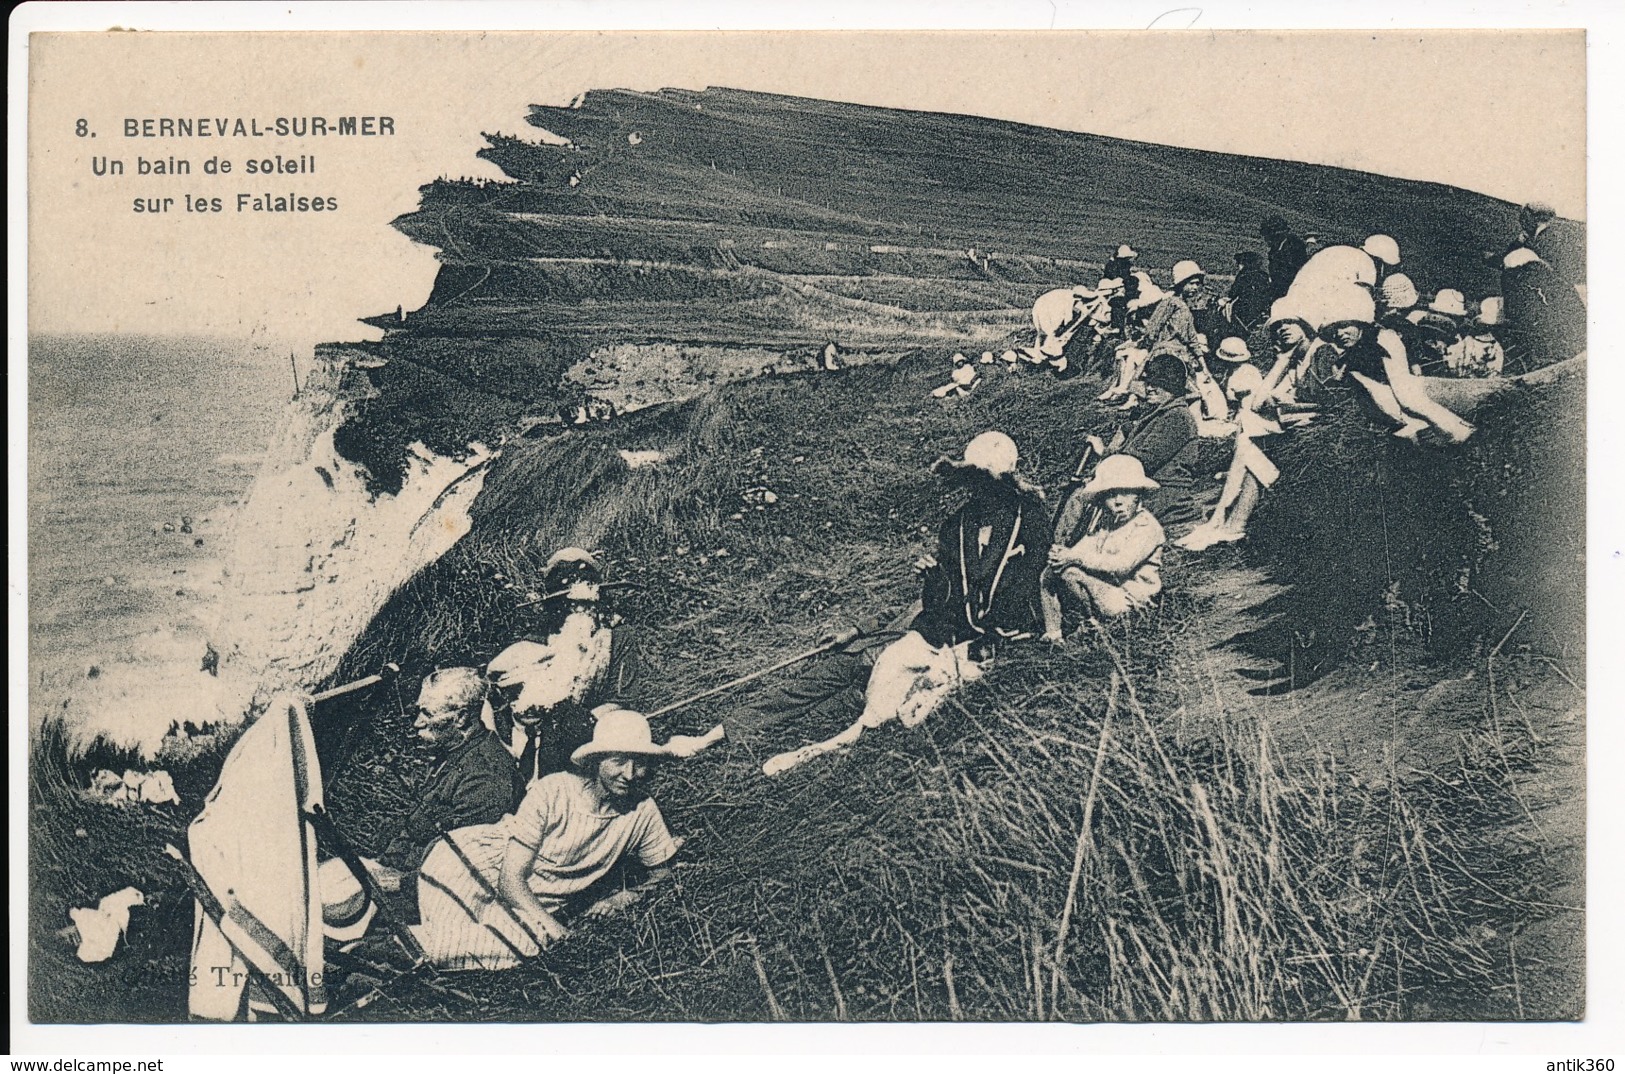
x=556 y=594
x=388 y=671
x=217 y=913
x=843 y=639
x=1066 y=493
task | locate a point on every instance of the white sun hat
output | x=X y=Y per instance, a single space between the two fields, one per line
x=1119 y=473
x=1233 y=349
x=346 y=909
x=1450 y=302
x=1398 y=292
x=991 y=452
x=1184 y=270
x=618 y=730
x=1382 y=247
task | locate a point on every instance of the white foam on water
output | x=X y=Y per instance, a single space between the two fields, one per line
x=309 y=561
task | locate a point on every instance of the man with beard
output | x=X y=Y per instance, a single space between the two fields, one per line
x=579 y=654
x=1117 y=567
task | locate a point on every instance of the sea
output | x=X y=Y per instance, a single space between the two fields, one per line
x=139 y=448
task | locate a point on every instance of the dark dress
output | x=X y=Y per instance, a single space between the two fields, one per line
x=1248 y=301
x=980 y=592
x=1287 y=255
x=1546 y=318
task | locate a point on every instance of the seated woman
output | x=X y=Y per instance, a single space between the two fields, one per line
x=1375 y=358
x=1304 y=377
x=1116 y=567
x=1480 y=353
x=492 y=895
x=1250 y=470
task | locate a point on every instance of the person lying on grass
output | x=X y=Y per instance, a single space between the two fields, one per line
x=978 y=591
x=827 y=690
x=473 y=781
x=491 y=896
x=1116 y=567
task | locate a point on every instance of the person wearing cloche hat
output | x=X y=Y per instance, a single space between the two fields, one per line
x=1376 y=358
x=1303 y=370
x=1480 y=353
x=493 y=895
x=1116 y=567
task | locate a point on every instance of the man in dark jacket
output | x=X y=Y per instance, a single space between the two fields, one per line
x=1545 y=315
x=1247 y=303
x=1287 y=253
x=473 y=781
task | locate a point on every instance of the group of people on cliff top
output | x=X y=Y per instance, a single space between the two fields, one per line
x=535 y=813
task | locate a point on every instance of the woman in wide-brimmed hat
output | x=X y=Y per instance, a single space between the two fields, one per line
x=1116 y=568
x=493 y=895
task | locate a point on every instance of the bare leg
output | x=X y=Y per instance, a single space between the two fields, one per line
x=785 y=761
x=1234 y=525
x=689 y=745
x=1386 y=401
x=1414 y=399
